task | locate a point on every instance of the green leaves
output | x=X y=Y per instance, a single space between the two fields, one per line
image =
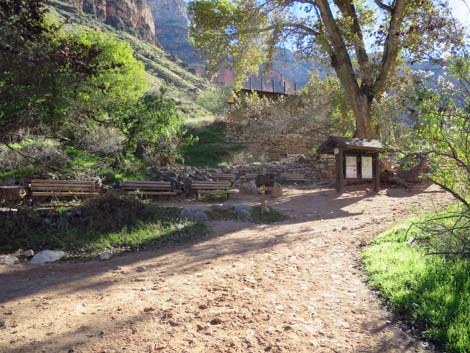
x=232 y=34
x=442 y=129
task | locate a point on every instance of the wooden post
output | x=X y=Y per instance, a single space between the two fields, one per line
x=340 y=171
x=263 y=202
x=376 y=172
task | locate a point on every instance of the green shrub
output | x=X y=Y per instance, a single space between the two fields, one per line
x=271 y=216
x=109 y=221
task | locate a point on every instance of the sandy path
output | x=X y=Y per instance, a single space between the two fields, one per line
x=293 y=287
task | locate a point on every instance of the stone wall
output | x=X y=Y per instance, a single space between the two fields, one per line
x=279 y=146
x=313 y=169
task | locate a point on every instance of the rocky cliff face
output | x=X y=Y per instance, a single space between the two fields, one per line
x=171 y=23
x=134 y=16
x=169 y=13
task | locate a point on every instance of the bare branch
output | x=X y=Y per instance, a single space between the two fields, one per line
x=392 y=45
x=383 y=6
x=455 y=194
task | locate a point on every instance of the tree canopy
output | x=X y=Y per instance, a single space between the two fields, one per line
x=363 y=41
x=51 y=78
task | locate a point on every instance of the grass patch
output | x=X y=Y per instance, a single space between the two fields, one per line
x=211 y=148
x=109 y=221
x=430 y=292
x=271 y=216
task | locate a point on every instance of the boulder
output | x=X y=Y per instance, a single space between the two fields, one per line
x=249 y=188
x=276 y=190
x=28 y=253
x=195 y=214
x=8 y=260
x=105 y=255
x=47 y=256
x=243 y=212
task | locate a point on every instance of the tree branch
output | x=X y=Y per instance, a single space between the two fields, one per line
x=348 y=10
x=392 y=46
x=455 y=194
x=383 y=6
x=29 y=157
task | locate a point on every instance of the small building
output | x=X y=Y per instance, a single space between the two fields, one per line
x=356 y=159
x=272 y=89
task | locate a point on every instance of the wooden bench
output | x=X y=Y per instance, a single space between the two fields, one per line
x=209 y=187
x=293 y=177
x=151 y=188
x=60 y=188
x=223 y=177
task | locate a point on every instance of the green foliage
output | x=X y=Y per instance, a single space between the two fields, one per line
x=53 y=80
x=271 y=216
x=431 y=292
x=81 y=84
x=107 y=77
x=153 y=129
x=325 y=100
x=232 y=29
x=214 y=99
x=109 y=221
x=210 y=147
x=442 y=130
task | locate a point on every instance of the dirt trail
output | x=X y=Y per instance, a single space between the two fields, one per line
x=291 y=287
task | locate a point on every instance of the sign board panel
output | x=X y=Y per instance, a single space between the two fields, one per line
x=366 y=167
x=351 y=167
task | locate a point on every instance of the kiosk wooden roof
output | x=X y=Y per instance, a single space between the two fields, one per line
x=359 y=149
x=351 y=143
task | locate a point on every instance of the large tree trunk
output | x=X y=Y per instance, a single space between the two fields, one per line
x=360 y=93
x=359 y=101
x=361 y=107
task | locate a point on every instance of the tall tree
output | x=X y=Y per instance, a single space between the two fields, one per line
x=363 y=40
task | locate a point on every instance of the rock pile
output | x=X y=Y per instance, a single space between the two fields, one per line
x=313 y=169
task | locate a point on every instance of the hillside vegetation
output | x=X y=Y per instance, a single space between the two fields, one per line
x=164 y=70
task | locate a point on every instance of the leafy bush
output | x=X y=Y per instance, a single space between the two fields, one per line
x=271 y=216
x=100 y=140
x=215 y=99
x=153 y=129
x=61 y=79
x=442 y=129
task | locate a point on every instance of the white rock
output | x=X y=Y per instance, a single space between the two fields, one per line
x=47 y=256
x=28 y=253
x=249 y=188
x=105 y=255
x=196 y=214
x=8 y=260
